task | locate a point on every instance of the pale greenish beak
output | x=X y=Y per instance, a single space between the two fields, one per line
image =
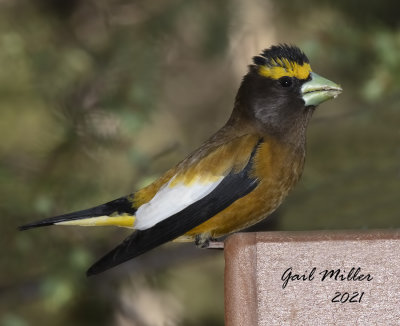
x=319 y=90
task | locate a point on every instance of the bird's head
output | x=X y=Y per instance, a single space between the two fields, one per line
x=280 y=91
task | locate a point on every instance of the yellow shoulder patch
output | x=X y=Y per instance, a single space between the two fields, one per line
x=278 y=68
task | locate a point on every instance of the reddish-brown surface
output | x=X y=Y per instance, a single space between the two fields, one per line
x=255 y=266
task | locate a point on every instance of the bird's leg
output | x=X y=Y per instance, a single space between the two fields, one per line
x=205 y=241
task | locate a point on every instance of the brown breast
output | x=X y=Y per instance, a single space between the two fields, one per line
x=278 y=166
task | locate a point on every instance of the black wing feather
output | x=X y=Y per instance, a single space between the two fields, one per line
x=231 y=188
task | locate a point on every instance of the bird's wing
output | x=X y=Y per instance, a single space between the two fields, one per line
x=203 y=187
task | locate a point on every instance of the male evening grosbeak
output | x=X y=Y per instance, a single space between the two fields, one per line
x=236 y=178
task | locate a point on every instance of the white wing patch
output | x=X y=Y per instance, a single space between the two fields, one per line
x=171 y=200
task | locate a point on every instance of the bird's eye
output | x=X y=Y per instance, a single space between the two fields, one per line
x=285 y=81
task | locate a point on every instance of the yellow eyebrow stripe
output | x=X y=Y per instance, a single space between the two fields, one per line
x=283 y=67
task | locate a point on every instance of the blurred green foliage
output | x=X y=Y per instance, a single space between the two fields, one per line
x=100 y=97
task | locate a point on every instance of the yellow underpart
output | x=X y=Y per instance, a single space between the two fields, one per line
x=125 y=220
x=284 y=68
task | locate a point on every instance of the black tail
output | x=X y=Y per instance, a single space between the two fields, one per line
x=120 y=205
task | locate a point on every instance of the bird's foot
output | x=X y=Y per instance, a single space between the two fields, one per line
x=207 y=242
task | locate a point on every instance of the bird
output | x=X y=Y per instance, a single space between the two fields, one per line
x=236 y=178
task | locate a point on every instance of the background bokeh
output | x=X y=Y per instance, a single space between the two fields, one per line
x=98 y=98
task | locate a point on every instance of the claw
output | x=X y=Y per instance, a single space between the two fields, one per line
x=207 y=242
